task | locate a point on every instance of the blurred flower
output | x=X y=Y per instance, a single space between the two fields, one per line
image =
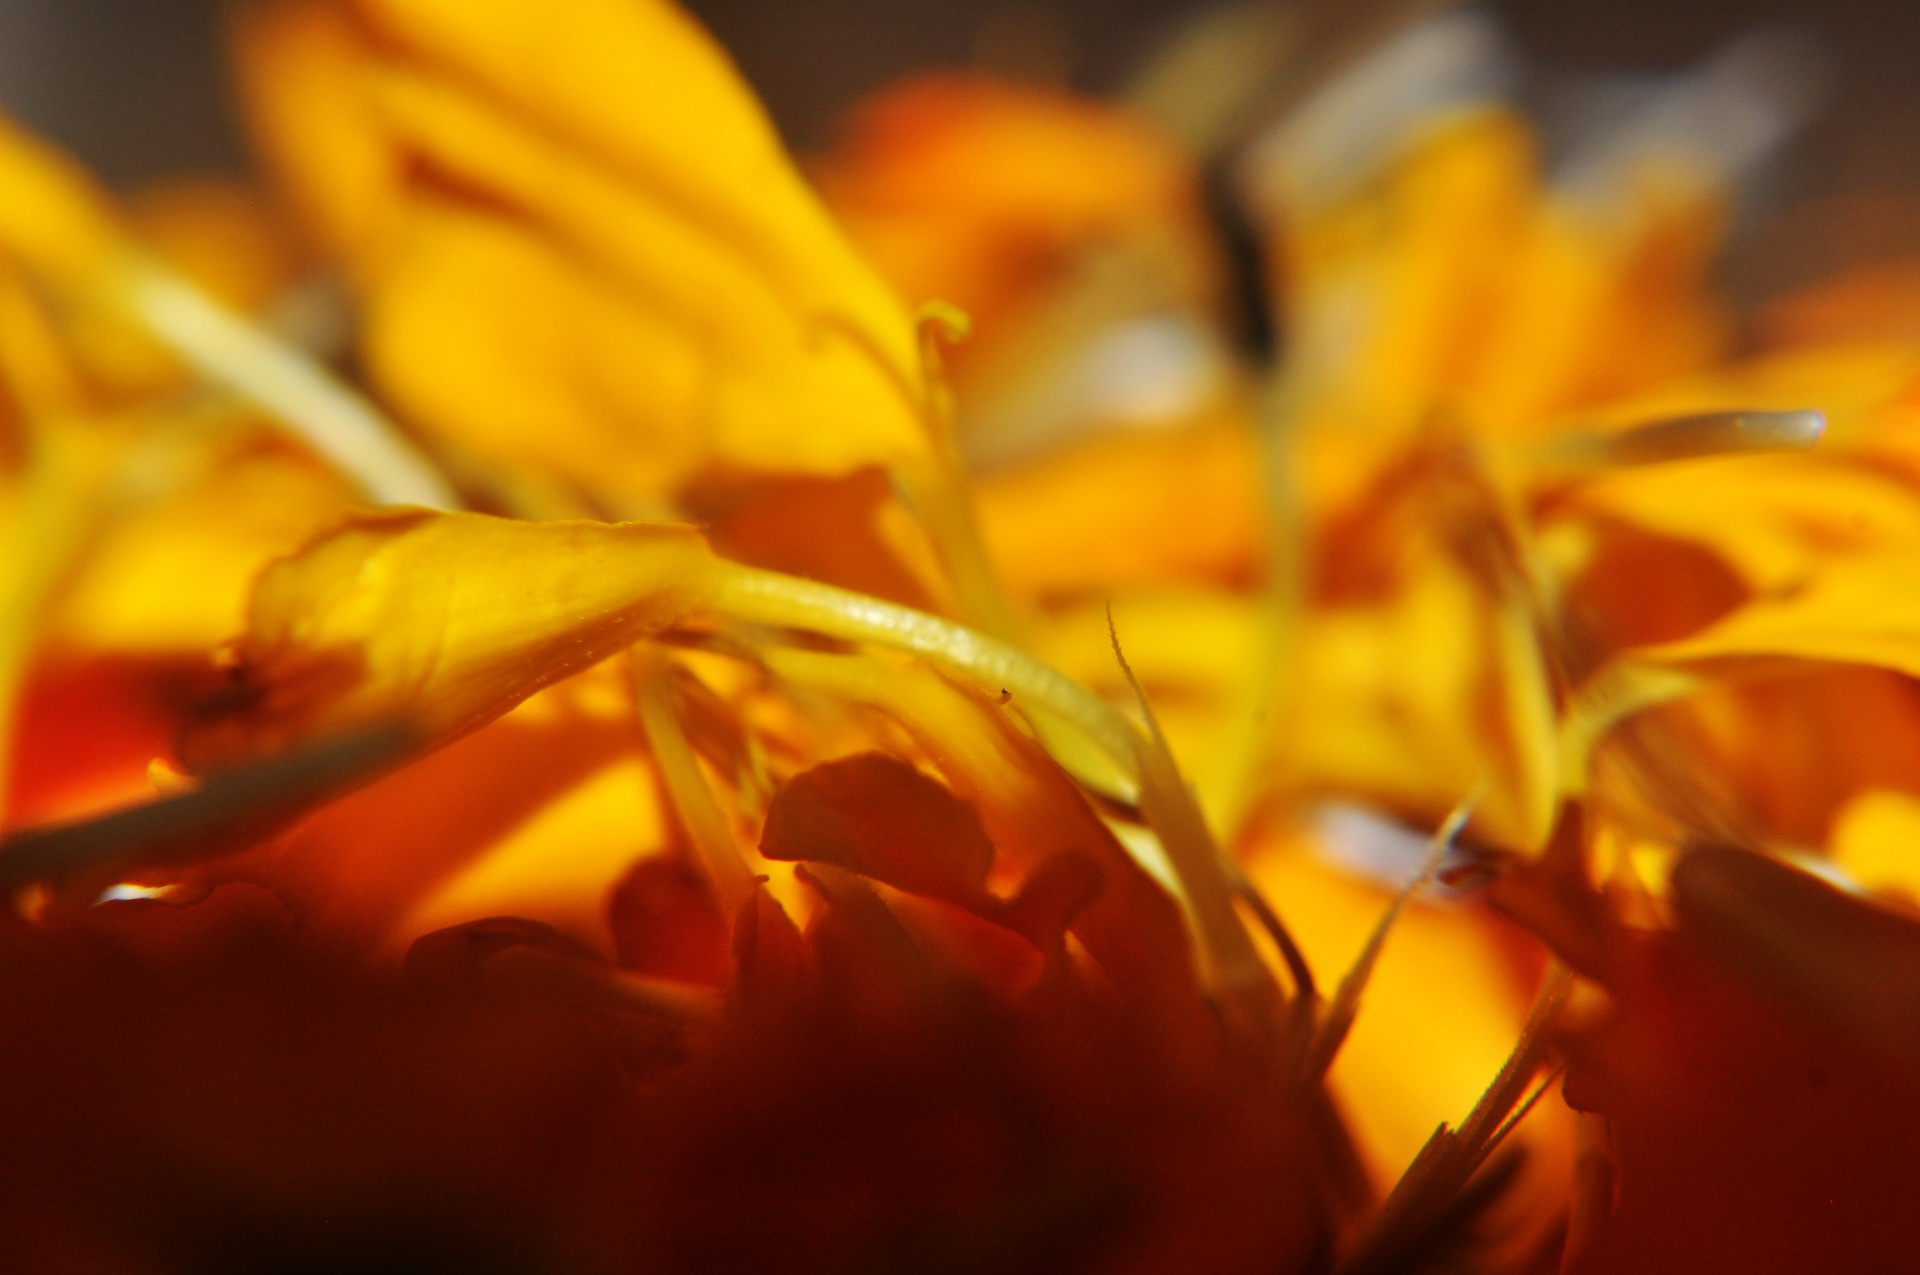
x=695 y=825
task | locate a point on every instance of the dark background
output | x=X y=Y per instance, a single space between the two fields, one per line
x=136 y=88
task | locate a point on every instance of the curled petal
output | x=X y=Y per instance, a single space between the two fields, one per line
x=444 y=621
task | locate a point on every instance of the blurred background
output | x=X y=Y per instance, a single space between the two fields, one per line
x=136 y=88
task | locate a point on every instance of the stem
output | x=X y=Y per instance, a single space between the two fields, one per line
x=1265 y=703
x=938 y=494
x=332 y=419
x=935 y=486
x=781 y=601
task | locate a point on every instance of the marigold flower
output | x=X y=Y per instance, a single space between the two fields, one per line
x=760 y=788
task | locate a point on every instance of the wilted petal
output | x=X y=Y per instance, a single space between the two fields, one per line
x=1133 y=928
x=876 y=815
x=666 y=922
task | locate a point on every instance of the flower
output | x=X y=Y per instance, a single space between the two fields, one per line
x=689 y=822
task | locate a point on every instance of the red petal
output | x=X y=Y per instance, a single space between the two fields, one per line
x=876 y=815
x=666 y=922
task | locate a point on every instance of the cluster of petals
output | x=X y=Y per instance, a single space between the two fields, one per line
x=1083 y=687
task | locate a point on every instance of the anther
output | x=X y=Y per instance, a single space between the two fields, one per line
x=1712 y=434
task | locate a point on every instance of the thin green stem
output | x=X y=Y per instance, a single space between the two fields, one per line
x=781 y=601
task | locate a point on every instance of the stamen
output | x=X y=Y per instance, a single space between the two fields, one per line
x=1264 y=690
x=128 y=891
x=336 y=422
x=687 y=788
x=1276 y=930
x=938 y=494
x=1226 y=951
x=1481 y=1131
x=941 y=495
x=1695 y=437
x=935 y=488
x=940 y=321
x=1345 y=1005
x=1525 y=1109
x=1446 y=1164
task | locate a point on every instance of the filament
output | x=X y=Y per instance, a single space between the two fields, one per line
x=687 y=788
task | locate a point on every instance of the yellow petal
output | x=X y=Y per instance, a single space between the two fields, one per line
x=557 y=866
x=175 y=576
x=43 y=379
x=1597 y=305
x=495 y=341
x=58 y=223
x=55 y=215
x=1776 y=520
x=136 y=323
x=1863 y=610
x=1391 y=290
x=1419 y=699
x=443 y=622
x=780 y=386
x=297 y=69
x=639 y=86
x=449 y=833
x=1876 y=841
x=1124 y=511
x=596 y=166
x=219 y=233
